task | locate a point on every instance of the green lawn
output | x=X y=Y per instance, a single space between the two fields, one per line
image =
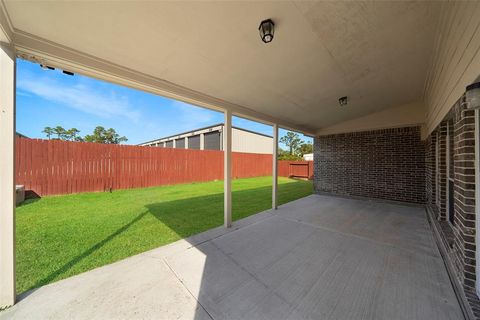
x=61 y=236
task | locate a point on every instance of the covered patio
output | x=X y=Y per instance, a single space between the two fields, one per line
x=319 y=257
x=385 y=89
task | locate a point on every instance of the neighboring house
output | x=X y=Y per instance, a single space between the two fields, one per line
x=308 y=157
x=211 y=138
x=19 y=135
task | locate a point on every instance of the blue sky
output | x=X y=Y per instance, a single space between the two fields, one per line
x=51 y=98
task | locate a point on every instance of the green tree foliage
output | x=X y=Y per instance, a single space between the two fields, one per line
x=99 y=135
x=72 y=134
x=285 y=155
x=60 y=132
x=292 y=141
x=48 y=132
x=305 y=148
x=102 y=135
x=296 y=147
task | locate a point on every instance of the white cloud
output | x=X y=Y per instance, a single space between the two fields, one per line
x=80 y=96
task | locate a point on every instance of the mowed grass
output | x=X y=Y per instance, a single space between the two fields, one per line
x=60 y=236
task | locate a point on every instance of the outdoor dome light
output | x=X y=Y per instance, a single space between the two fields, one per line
x=472 y=96
x=343 y=101
x=266 y=29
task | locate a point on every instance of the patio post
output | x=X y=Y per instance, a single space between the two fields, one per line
x=227 y=165
x=7 y=176
x=275 y=168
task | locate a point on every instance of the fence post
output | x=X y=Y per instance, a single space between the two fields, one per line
x=7 y=176
x=227 y=167
x=275 y=168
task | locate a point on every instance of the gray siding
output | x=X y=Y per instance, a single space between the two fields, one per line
x=180 y=143
x=212 y=141
x=169 y=144
x=194 y=142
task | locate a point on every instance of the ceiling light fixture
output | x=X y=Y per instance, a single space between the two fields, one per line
x=343 y=101
x=266 y=30
x=472 y=96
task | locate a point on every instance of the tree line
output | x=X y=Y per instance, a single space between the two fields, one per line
x=99 y=135
x=296 y=147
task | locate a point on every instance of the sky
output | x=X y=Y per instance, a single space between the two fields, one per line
x=51 y=98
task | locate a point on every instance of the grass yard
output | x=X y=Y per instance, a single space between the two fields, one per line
x=60 y=236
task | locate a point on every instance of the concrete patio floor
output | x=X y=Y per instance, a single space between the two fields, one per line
x=315 y=258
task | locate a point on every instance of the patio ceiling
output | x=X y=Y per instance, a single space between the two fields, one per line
x=210 y=53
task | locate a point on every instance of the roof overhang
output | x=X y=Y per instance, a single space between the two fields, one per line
x=210 y=55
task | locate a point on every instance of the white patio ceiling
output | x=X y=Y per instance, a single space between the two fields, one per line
x=210 y=53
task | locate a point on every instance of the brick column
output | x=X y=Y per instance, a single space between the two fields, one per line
x=442 y=171
x=464 y=168
x=430 y=172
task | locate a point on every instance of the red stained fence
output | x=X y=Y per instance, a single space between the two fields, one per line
x=296 y=169
x=48 y=167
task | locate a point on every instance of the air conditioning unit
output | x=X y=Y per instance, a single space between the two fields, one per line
x=20 y=194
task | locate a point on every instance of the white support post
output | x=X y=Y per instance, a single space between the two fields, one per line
x=227 y=165
x=7 y=176
x=275 y=168
x=186 y=142
x=202 y=141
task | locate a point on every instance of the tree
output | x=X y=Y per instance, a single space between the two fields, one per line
x=71 y=134
x=305 y=148
x=100 y=135
x=292 y=141
x=60 y=132
x=48 y=131
x=285 y=155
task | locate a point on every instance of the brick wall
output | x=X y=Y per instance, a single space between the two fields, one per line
x=385 y=164
x=464 y=169
x=430 y=172
x=442 y=170
x=462 y=251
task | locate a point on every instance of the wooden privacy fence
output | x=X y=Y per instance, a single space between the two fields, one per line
x=52 y=167
x=296 y=169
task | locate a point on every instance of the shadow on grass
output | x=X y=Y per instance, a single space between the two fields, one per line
x=190 y=216
x=52 y=276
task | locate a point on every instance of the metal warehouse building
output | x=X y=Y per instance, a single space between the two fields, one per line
x=211 y=138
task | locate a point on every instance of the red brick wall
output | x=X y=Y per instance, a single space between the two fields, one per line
x=385 y=164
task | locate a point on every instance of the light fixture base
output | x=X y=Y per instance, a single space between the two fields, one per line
x=472 y=96
x=266 y=29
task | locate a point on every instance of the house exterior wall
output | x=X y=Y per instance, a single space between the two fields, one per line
x=442 y=171
x=384 y=164
x=462 y=248
x=396 y=164
x=431 y=172
x=455 y=59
